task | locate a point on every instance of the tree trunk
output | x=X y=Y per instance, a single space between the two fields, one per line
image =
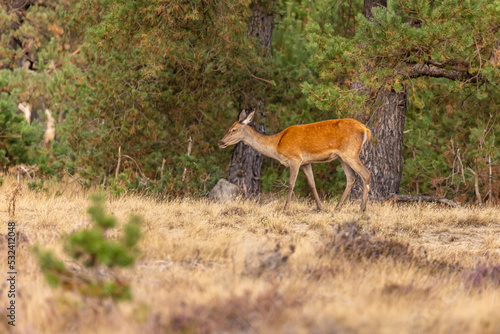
x=383 y=156
x=261 y=24
x=246 y=163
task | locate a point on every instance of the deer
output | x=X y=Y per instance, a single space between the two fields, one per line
x=300 y=146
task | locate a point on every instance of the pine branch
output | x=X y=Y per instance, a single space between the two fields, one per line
x=432 y=70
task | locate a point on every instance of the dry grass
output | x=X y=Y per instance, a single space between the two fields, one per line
x=244 y=266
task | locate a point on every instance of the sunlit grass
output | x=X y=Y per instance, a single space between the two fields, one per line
x=246 y=266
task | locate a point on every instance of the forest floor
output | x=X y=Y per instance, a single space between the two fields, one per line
x=249 y=267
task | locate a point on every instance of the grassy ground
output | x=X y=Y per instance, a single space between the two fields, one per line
x=249 y=267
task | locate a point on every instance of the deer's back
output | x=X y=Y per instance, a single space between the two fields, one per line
x=322 y=137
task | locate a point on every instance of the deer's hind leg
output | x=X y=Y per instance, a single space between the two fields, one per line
x=365 y=175
x=351 y=178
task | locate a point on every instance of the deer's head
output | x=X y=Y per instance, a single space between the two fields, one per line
x=237 y=132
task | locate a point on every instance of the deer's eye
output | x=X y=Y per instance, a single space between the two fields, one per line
x=233 y=130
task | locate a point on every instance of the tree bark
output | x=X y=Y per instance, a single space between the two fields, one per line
x=261 y=24
x=436 y=71
x=383 y=156
x=246 y=163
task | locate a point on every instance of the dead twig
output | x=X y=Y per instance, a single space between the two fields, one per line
x=490 y=181
x=476 y=186
x=162 y=167
x=136 y=164
x=119 y=162
x=190 y=146
x=16 y=191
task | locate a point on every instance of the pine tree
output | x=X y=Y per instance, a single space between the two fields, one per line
x=384 y=155
x=246 y=163
x=416 y=46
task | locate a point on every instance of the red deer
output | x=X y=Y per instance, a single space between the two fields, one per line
x=299 y=146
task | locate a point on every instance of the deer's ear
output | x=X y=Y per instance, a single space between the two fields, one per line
x=249 y=118
x=242 y=116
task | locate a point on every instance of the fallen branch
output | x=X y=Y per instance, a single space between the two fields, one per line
x=415 y=198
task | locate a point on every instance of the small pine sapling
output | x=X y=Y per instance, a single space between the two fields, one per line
x=97 y=254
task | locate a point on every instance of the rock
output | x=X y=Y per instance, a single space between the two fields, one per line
x=224 y=191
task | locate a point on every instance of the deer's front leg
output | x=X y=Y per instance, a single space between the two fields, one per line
x=294 y=171
x=310 y=179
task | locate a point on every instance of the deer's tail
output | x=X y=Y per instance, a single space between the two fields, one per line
x=367 y=136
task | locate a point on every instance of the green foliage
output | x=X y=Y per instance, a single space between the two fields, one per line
x=119 y=185
x=52 y=268
x=18 y=138
x=39 y=65
x=37 y=186
x=95 y=251
x=287 y=103
x=98 y=213
x=447 y=139
x=146 y=77
x=150 y=86
x=408 y=32
x=183 y=72
x=93 y=248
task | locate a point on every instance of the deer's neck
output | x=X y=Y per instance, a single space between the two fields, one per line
x=267 y=145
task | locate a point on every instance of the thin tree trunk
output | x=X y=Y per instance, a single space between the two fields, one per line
x=246 y=163
x=476 y=186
